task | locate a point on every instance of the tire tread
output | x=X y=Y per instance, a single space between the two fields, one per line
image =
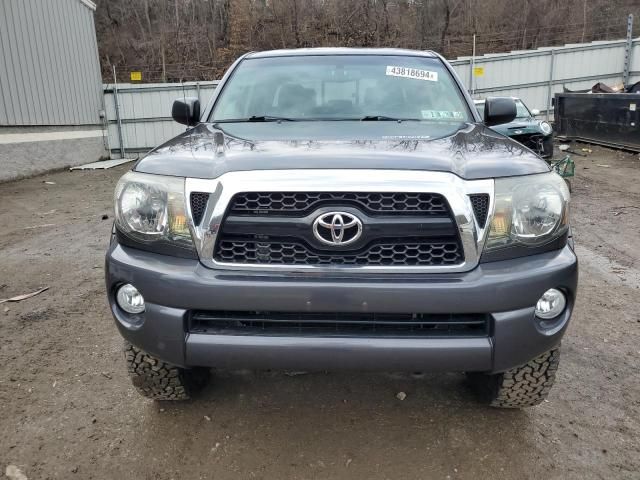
x=527 y=385
x=159 y=380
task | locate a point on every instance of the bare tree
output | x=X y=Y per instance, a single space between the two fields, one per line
x=172 y=40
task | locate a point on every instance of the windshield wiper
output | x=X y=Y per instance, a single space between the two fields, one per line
x=257 y=118
x=269 y=118
x=384 y=118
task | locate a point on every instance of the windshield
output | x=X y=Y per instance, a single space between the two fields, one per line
x=480 y=108
x=341 y=87
x=521 y=110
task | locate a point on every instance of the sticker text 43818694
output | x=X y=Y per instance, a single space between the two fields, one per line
x=408 y=72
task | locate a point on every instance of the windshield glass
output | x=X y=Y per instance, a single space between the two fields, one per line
x=480 y=109
x=341 y=87
x=522 y=110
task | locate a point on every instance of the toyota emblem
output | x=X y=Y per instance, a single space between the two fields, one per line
x=337 y=228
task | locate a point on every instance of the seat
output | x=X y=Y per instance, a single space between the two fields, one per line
x=295 y=101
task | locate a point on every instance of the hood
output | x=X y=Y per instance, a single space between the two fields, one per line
x=470 y=151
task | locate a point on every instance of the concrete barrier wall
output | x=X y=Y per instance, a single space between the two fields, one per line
x=28 y=151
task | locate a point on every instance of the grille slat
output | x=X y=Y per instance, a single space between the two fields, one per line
x=198 y=205
x=301 y=203
x=338 y=324
x=382 y=254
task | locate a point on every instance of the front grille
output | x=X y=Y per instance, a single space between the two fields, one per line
x=480 y=204
x=533 y=141
x=397 y=230
x=382 y=254
x=302 y=203
x=198 y=206
x=338 y=324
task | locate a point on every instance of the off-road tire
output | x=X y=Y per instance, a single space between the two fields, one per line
x=159 y=380
x=524 y=386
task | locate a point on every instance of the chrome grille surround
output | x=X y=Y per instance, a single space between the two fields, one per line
x=452 y=187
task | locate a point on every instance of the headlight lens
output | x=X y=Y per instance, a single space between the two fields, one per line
x=144 y=208
x=152 y=209
x=537 y=211
x=529 y=210
x=546 y=128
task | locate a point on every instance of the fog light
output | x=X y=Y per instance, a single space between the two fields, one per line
x=551 y=304
x=130 y=299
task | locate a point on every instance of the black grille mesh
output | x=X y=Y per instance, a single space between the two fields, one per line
x=480 y=203
x=198 y=205
x=300 y=203
x=338 y=323
x=382 y=254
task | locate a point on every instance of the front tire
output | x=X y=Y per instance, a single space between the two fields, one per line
x=524 y=386
x=158 y=380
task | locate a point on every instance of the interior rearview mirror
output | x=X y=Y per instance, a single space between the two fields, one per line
x=186 y=111
x=498 y=110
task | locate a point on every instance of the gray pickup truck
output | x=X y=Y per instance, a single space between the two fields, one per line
x=342 y=208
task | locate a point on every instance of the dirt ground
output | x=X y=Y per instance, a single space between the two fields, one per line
x=67 y=409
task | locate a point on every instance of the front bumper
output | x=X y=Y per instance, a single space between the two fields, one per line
x=507 y=290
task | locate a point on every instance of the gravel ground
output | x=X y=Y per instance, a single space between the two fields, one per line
x=67 y=409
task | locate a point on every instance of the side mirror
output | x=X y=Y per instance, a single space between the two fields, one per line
x=186 y=111
x=498 y=110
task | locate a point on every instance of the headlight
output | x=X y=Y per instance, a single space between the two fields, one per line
x=546 y=128
x=151 y=209
x=529 y=210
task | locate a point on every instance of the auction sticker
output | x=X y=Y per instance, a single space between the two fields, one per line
x=408 y=72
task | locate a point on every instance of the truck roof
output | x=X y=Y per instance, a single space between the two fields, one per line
x=294 y=52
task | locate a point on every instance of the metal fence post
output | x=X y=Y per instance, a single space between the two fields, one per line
x=472 y=64
x=627 y=51
x=118 y=119
x=550 y=86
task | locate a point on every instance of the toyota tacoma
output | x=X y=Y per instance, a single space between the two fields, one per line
x=342 y=208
